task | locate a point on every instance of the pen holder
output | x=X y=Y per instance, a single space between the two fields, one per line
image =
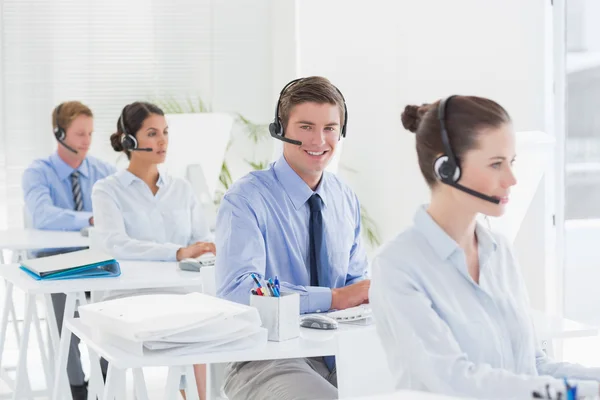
x=279 y=315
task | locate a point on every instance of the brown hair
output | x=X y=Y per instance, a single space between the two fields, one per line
x=314 y=89
x=133 y=116
x=466 y=118
x=65 y=113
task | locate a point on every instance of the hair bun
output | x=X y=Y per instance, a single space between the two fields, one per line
x=115 y=142
x=411 y=117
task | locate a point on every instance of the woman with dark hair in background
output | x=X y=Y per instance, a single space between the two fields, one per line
x=143 y=214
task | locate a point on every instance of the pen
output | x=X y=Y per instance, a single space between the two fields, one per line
x=254 y=292
x=272 y=286
x=256 y=280
x=271 y=289
x=276 y=283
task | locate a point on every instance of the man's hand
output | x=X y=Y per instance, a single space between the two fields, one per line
x=196 y=250
x=350 y=296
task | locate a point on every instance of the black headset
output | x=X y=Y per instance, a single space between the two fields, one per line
x=59 y=133
x=276 y=127
x=446 y=167
x=129 y=142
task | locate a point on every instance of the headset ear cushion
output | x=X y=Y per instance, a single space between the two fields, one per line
x=274 y=128
x=128 y=142
x=443 y=170
x=59 y=134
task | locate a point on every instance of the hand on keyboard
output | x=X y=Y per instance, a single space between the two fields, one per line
x=350 y=296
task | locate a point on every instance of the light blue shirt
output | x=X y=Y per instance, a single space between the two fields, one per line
x=445 y=333
x=48 y=192
x=262 y=228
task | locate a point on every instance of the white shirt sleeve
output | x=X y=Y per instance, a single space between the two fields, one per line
x=422 y=350
x=110 y=236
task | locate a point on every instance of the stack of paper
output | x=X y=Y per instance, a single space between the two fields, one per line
x=174 y=324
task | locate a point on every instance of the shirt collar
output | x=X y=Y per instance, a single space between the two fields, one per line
x=443 y=244
x=126 y=178
x=297 y=190
x=64 y=170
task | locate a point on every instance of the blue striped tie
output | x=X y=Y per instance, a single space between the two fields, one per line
x=77 y=199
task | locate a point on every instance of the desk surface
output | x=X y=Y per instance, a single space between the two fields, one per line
x=134 y=275
x=552 y=327
x=407 y=395
x=34 y=239
x=311 y=343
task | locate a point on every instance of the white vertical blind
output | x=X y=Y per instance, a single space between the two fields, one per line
x=104 y=53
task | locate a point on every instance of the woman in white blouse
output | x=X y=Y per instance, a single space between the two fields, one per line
x=141 y=213
x=448 y=298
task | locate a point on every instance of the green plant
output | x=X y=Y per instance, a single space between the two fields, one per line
x=369 y=228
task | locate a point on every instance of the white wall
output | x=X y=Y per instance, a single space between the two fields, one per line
x=390 y=54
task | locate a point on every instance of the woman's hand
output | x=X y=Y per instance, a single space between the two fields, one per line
x=196 y=250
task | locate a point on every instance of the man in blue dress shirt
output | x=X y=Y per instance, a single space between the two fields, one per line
x=58 y=193
x=301 y=224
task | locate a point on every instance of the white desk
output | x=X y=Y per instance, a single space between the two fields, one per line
x=34 y=239
x=357 y=350
x=311 y=343
x=552 y=327
x=408 y=395
x=134 y=275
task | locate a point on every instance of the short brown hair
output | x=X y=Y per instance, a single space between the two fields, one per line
x=66 y=112
x=315 y=89
x=466 y=118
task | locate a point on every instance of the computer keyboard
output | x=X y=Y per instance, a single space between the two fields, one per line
x=351 y=314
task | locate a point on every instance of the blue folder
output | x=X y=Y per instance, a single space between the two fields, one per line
x=105 y=269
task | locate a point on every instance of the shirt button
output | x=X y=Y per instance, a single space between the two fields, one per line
x=318 y=310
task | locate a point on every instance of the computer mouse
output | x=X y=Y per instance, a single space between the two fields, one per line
x=85 y=231
x=206 y=256
x=316 y=321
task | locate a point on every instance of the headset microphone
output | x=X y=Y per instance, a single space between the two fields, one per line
x=276 y=127
x=276 y=135
x=59 y=133
x=446 y=167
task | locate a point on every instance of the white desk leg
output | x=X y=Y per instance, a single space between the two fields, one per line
x=21 y=377
x=96 y=384
x=60 y=370
x=173 y=379
x=139 y=384
x=4 y=326
x=53 y=337
x=110 y=388
x=13 y=313
x=45 y=363
x=191 y=388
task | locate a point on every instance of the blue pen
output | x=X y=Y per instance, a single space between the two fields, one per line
x=571 y=390
x=275 y=290
x=256 y=280
x=277 y=283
